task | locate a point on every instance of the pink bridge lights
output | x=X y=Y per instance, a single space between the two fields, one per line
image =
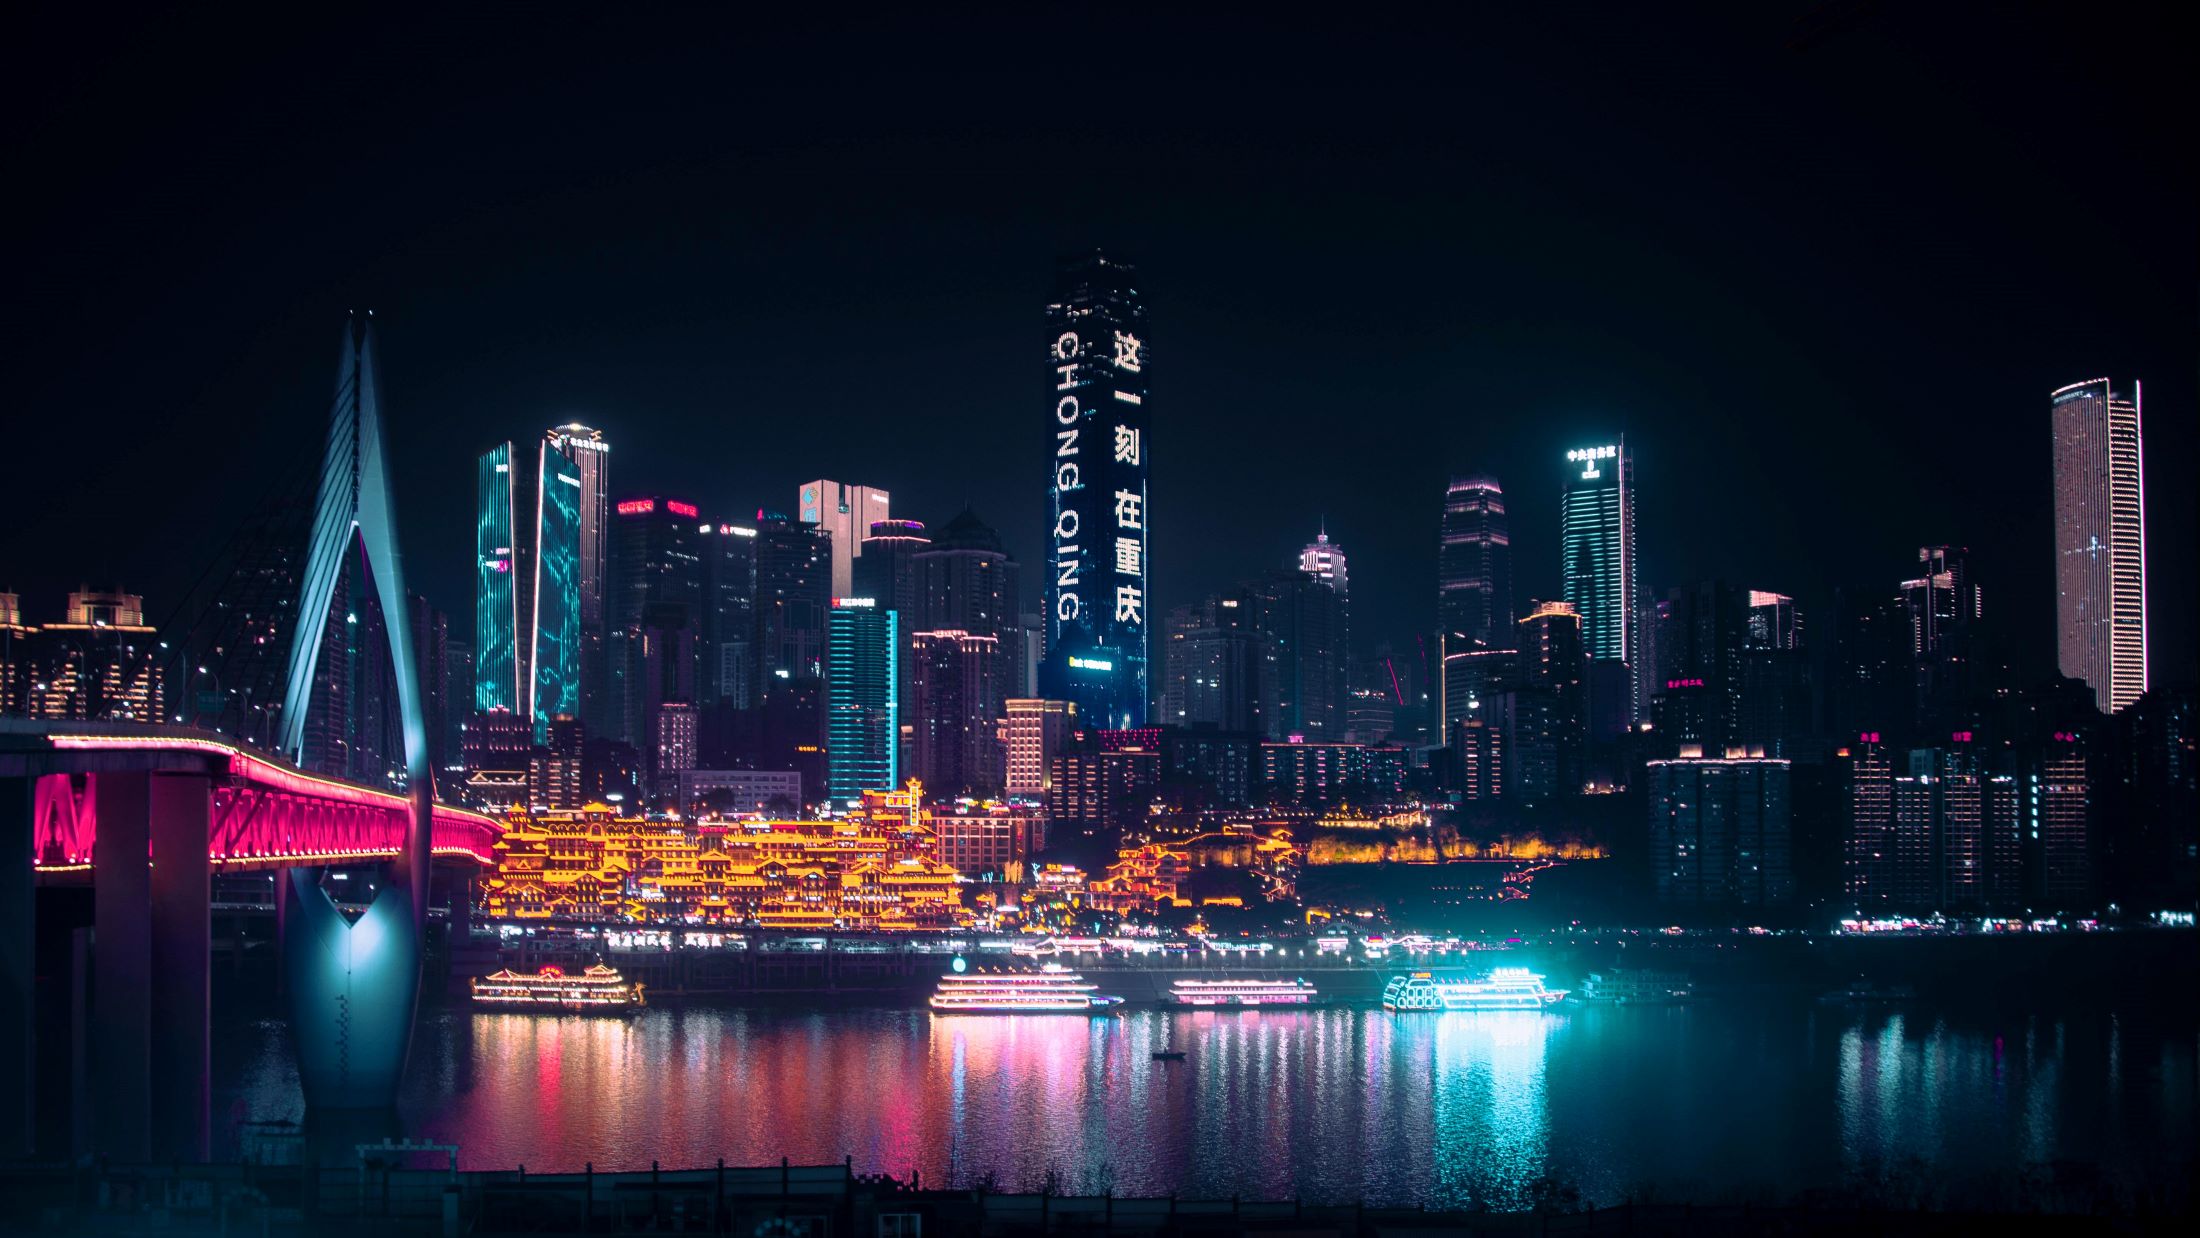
x=261 y=814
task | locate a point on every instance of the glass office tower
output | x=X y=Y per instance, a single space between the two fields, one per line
x=862 y=699
x=1598 y=575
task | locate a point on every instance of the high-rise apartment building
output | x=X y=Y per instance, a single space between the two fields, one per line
x=1474 y=598
x=1721 y=832
x=1599 y=577
x=1300 y=622
x=1037 y=729
x=1098 y=450
x=1212 y=659
x=1547 y=727
x=862 y=707
x=956 y=749
x=2100 y=540
x=847 y=513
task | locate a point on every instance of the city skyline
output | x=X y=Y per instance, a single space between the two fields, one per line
x=1578 y=332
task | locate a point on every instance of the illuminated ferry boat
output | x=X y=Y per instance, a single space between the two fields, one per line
x=1190 y=991
x=1047 y=991
x=598 y=990
x=1506 y=988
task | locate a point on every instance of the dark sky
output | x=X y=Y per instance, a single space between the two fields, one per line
x=1824 y=289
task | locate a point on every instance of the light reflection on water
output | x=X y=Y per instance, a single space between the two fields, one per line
x=1704 y=1101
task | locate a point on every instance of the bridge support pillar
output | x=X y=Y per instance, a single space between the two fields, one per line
x=183 y=943
x=122 y=967
x=18 y=974
x=352 y=990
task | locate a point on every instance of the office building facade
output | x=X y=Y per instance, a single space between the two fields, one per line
x=1598 y=576
x=2100 y=540
x=862 y=705
x=1474 y=599
x=846 y=513
x=956 y=750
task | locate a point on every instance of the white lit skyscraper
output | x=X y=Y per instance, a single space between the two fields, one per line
x=1598 y=574
x=2100 y=541
x=847 y=512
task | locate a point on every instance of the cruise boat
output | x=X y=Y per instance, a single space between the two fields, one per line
x=598 y=990
x=1050 y=990
x=1192 y=991
x=1507 y=988
x=1631 y=986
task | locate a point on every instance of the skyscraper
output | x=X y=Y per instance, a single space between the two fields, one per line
x=847 y=512
x=1097 y=457
x=729 y=615
x=656 y=607
x=1474 y=564
x=967 y=582
x=591 y=457
x=528 y=616
x=794 y=589
x=1547 y=714
x=957 y=750
x=862 y=717
x=1300 y=622
x=1598 y=575
x=2100 y=541
x=1212 y=661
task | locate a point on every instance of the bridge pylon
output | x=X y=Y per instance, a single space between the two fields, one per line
x=353 y=987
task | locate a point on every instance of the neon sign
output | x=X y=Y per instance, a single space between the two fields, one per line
x=637 y=507
x=682 y=509
x=1091 y=664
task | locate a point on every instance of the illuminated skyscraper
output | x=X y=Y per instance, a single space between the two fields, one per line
x=591 y=457
x=1597 y=568
x=862 y=714
x=847 y=512
x=528 y=618
x=2101 y=541
x=1097 y=458
x=1474 y=565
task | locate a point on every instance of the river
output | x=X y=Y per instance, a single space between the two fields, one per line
x=1713 y=1101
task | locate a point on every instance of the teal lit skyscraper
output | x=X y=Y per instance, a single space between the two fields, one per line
x=862 y=709
x=497 y=670
x=528 y=619
x=555 y=626
x=1598 y=575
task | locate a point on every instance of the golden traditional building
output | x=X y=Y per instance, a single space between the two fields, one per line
x=869 y=872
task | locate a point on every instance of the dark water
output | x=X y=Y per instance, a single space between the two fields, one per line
x=1711 y=1101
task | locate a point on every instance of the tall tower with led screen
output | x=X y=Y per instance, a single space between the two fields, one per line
x=1597 y=574
x=591 y=457
x=2100 y=541
x=528 y=617
x=1098 y=450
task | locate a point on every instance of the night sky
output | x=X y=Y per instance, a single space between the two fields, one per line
x=1822 y=273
